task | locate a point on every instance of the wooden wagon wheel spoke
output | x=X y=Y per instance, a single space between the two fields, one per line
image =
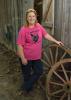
x=55 y=83
x=59 y=77
x=63 y=96
x=67 y=71
x=69 y=96
x=66 y=76
x=45 y=63
x=45 y=54
x=56 y=54
x=50 y=51
x=63 y=55
x=56 y=92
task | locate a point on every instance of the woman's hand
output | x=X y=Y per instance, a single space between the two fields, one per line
x=60 y=43
x=24 y=61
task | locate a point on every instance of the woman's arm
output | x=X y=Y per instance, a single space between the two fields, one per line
x=50 y=38
x=21 y=54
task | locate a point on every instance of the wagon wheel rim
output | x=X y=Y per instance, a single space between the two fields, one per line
x=63 y=87
x=52 y=57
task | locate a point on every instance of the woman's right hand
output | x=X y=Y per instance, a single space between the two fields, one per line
x=24 y=61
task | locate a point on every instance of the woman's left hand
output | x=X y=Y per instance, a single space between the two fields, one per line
x=60 y=43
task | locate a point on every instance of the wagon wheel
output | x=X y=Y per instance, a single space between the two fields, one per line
x=53 y=53
x=58 y=82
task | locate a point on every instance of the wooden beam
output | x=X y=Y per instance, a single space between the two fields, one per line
x=48 y=8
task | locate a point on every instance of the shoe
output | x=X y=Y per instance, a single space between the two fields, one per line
x=25 y=93
x=20 y=93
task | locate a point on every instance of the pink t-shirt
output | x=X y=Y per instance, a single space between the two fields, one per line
x=31 y=41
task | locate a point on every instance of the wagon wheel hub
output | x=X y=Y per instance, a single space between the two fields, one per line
x=67 y=87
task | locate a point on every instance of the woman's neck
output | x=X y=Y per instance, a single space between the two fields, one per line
x=31 y=25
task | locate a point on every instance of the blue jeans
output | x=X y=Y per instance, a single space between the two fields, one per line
x=31 y=73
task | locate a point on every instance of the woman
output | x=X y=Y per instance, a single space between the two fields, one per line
x=29 y=43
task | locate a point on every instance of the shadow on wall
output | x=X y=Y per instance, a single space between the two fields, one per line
x=9 y=33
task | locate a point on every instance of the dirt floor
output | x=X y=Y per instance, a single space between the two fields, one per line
x=11 y=79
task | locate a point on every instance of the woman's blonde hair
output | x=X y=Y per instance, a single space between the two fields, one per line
x=28 y=11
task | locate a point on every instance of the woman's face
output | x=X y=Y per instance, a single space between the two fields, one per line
x=31 y=18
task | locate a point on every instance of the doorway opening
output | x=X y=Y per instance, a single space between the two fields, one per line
x=38 y=6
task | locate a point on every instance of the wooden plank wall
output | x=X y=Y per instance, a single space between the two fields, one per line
x=8 y=22
x=2 y=20
x=12 y=17
x=62 y=27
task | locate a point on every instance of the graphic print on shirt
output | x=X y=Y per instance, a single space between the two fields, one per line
x=34 y=35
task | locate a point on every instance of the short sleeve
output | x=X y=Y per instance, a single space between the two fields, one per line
x=21 y=37
x=44 y=32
